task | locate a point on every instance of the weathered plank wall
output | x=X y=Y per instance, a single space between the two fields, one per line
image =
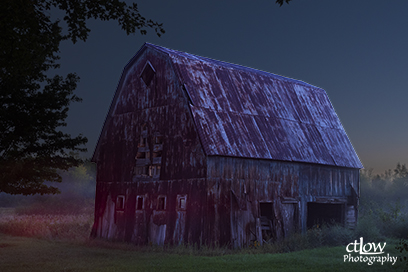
x=160 y=108
x=237 y=187
x=151 y=224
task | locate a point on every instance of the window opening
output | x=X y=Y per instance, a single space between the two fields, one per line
x=158 y=139
x=141 y=170
x=161 y=203
x=120 y=203
x=143 y=141
x=148 y=160
x=157 y=154
x=147 y=73
x=154 y=170
x=141 y=155
x=181 y=202
x=139 y=203
x=143 y=136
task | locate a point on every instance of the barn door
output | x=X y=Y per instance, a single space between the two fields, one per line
x=290 y=218
x=179 y=230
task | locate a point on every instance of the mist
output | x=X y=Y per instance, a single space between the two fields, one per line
x=384 y=202
x=77 y=194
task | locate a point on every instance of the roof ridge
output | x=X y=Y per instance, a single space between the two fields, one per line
x=230 y=65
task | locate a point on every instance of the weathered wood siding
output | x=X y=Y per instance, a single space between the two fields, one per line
x=237 y=186
x=157 y=109
x=162 y=107
x=151 y=224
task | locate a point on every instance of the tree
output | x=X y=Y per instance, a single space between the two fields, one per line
x=280 y=2
x=33 y=104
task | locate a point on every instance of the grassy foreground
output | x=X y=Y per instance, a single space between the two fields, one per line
x=31 y=254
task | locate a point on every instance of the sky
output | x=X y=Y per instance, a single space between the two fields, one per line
x=356 y=50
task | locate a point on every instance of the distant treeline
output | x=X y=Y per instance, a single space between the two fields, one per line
x=383 y=209
x=387 y=191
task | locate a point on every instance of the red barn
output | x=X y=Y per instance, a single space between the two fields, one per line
x=197 y=150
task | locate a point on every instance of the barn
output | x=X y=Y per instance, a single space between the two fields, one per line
x=196 y=150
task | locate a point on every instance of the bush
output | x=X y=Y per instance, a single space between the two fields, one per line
x=318 y=236
x=338 y=235
x=367 y=228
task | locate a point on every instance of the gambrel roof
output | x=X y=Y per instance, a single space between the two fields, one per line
x=244 y=112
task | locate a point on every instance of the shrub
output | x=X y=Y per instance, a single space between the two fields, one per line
x=337 y=235
x=368 y=229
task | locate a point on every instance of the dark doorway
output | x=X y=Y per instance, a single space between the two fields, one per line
x=324 y=213
x=266 y=216
x=266 y=210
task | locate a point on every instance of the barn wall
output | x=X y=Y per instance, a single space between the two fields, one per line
x=157 y=109
x=149 y=223
x=238 y=187
x=160 y=107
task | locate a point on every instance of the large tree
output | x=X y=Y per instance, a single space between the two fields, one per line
x=34 y=104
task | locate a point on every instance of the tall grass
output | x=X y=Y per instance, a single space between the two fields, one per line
x=77 y=227
x=55 y=227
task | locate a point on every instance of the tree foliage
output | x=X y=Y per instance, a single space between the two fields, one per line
x=280 y=2
x=33 y=104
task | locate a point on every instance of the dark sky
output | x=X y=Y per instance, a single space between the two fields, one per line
x=356 y=50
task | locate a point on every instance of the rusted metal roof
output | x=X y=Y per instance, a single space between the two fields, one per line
x=244 y=112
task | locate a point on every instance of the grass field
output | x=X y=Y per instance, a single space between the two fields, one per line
x=32 y=254
x=30 y=242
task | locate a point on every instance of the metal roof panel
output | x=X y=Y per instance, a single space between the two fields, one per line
x=244 y=112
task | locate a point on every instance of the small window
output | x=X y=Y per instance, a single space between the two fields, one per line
x=120 y=203
x=139 y=203
x=148 y=73
x=157 y=154
x=141 y=170
x=141 y=155
x=158 y=139
x=181 y=202
x=143 y=136
x=161 y=203
x=143 y=141
x=154 y=170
